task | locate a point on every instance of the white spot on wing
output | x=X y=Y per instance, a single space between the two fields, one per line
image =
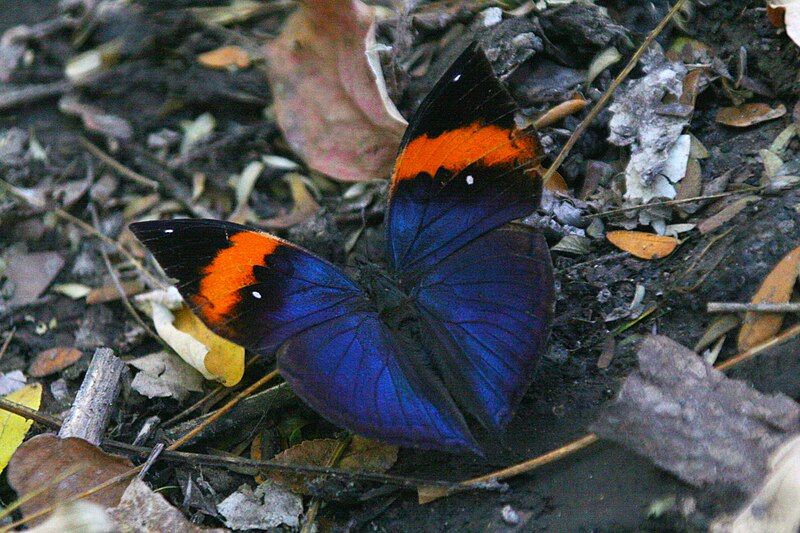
x=257 y=295
x=168 y=230
x=458 y=77
x=470 y=180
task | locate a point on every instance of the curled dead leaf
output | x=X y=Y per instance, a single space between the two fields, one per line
x=776 y=288
x=327 y=101
x=749 y=114
x=643 y=245
x=53 y=360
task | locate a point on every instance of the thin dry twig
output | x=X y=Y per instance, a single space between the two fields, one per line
x=601 y=103
x=7 y=342
x=118 y=284
x=736 y=307
x=117 y=166
x=621 y=210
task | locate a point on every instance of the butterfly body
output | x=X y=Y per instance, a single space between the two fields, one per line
x=454 y=323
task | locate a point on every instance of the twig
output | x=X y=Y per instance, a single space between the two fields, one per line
x=91 y=409
x=673 y=202
x=116 y=165
x=428 y=494
x=209 y=398
x=118 y=285
x=224 y=409
x=151 y=459
x=601 y=103
x=32 y=93
x=735 y=307
x=7 y=342
x=30 y=414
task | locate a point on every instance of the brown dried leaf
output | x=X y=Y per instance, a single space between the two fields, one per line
x=109 y=293
x=749 y=114
x=326 y=98
x=776 y=288
x=38 y=460
x=53 y=360
x=225 y=57
x=725 y=215
x=362 y=454
x=643 y=245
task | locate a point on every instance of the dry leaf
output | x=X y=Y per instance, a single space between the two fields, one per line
x=110 y=293
x=53 y=360
x=773 y=509
x=327 y=101
x=225 y=57
x=749 y=114
x=31 y=274
x=268 y=507
x=79 y=516
x=40 y=459
x=643 y=245
x=223 y=359
x=726 y=215
x=362 y=454
x=165 y=375
x=304 y=206
x=776 y=288
x=560 y=112
x=210 y=354
x=717 y=329
x=13 y=428
x=791 y=16
x=142 y=510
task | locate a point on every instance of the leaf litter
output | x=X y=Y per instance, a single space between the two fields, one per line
x=556 y=58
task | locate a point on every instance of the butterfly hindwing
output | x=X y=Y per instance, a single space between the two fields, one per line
x=462 y=167
x=370 y=387
x=487 y=308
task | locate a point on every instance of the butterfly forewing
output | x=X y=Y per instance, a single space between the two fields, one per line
x=264 y=293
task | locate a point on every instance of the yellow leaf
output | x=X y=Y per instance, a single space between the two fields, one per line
x=643 y=245
x=776 y=288
x=14 y=427
x=224 y=359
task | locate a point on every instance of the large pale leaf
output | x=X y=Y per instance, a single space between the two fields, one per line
x=327 y=98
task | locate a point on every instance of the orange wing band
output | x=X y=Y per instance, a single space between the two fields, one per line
x=231 y=269
x=489 y=145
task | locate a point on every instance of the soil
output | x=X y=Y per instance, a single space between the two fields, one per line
x=603 y=488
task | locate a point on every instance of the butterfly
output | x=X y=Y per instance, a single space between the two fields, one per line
x=455 y=323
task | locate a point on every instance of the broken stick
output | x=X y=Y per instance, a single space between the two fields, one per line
x=92 y=407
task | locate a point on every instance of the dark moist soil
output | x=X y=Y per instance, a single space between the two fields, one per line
x=603 y=488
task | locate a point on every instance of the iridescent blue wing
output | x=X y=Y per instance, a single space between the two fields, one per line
x=487 y=309
x=370 y=386
x=461 y=171
x=262 y=292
